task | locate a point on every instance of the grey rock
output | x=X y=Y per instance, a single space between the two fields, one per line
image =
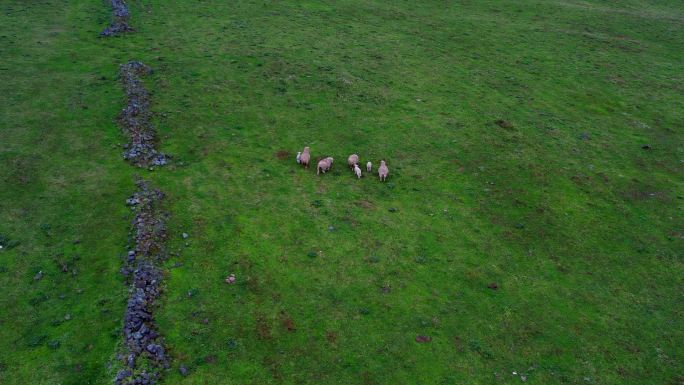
x=183 y=370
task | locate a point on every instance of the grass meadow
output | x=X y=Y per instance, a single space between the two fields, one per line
x=535 y=146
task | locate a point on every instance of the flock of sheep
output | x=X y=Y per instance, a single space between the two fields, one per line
x=304 y=157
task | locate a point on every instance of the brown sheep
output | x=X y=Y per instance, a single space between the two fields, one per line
x=305 y=157
x=324 y=165
x=383 y=171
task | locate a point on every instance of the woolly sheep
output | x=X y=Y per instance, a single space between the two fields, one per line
x=383 y=171
x=353 y=160
x=305 y=157
x=324 y=165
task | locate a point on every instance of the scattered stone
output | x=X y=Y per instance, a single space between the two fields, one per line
x=141 y=339
x=185 y=235
x=183 y=370
x=230 y=279
x=132 y=201
x=392 y=209
x=423 y=339
x=38 y=276
x=149 y=224
x=331 y=228
x=53 y=345
x=646 y=147
x=67 y=316
x=120 y=17
x=584 y=136
x=136 y=118
x=493 y=286
x=122 y=375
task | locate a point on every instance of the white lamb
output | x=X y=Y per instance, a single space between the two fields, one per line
x=357 y=171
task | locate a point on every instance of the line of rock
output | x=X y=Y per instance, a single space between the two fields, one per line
x=145 y=356
x=136 y=118
x=120 y=17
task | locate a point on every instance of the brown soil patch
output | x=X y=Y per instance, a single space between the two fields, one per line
x=287 y=322
x=331 y=336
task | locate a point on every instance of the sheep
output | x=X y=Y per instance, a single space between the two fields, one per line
x=305 y=157
x=324 y=165
x=353 y=160
x=383 y=171
x=299 y=157
x=357 y=171
x=369 y=166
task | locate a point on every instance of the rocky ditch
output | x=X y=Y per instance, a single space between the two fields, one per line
x=136 y=118
x=120 y=18
x=144 y=357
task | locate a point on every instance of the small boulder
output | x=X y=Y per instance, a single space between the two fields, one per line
x=183 y=370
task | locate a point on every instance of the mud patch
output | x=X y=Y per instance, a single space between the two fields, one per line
x=282 y=154
x=136 y=118
x=505 y=124
x=144 y=355
x=120 y=19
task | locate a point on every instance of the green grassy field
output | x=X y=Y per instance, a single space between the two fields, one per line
x=579 y=226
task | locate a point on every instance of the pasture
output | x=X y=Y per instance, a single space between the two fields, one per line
x=531 y=223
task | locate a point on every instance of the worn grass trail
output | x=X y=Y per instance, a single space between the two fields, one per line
x=560 y=206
